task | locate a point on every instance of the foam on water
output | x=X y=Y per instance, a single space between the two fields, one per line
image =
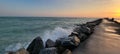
x=58 y=32
x=18 y=32
x=49 y=34
x=14 y=47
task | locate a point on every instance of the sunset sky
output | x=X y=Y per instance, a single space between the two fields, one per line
x=60 y=8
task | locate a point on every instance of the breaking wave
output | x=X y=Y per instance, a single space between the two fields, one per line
x=49 y=34
x=56 y=33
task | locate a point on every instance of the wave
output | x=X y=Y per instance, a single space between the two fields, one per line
x=49 y=34
x=16 y=46
x=58 y=32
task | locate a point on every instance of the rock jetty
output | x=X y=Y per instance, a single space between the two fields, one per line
x=63 y=45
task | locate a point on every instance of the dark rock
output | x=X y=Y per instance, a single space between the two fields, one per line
x=98 y=21
x=67 y=51
x=35 y=46
x=86 y=30
x=51 y=50
x=83 y=29
x=50 y=43
x=68 y=42
x=73 y=34
x=91 y=27
x=92 y=23
x=83 y=37
x=60 y=49
x=113 y=20
x=117 y=22
x=110 y=19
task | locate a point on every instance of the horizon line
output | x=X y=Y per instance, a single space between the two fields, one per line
x=60 y=16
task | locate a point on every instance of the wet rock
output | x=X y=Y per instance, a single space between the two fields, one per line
x=50 y=43
x=67 y=51
x=73 y=34
x=51 y=50
x=86 y=30
x=98 y=21
x=68 y=42
x=92 y=23
x=35 y=46
x=60 y=49
x=83 y=37
x=83 y=29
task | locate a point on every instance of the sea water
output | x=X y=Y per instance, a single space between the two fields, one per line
x=18 y=32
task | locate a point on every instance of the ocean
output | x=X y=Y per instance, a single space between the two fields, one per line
x=18 y=32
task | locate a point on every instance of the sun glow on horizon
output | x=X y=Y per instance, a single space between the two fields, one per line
x=117 y=13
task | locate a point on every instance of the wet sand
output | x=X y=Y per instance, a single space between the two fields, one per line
x=104 y=40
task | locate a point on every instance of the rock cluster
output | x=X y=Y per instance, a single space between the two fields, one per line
x=35 y=46
x=112 y=20
x=64 y=45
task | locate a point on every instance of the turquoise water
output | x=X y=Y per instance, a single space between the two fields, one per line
x=17 y=31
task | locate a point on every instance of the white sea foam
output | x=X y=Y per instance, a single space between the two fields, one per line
x=49 y=34
x=58 y=32
x=14 y=47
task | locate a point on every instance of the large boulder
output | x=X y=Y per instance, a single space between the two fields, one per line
x=81 y=36
x=51 y=50
x=35 y=46
x=68 y=42
x=83 y=29
x=60 y=49
x=50 y=43
x=73 y=34
x=86 y=30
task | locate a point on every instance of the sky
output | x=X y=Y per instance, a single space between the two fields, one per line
x=60 y=8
